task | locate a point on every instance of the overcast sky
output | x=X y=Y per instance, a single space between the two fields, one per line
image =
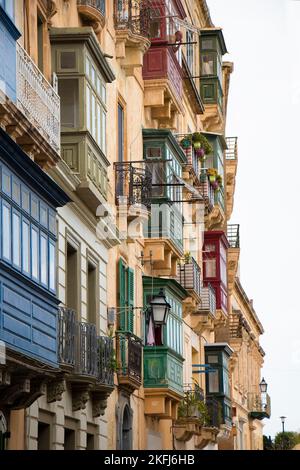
x=263 y=40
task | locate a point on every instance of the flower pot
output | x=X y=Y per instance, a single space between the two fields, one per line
x=215 y=185
x=185 y=144
x=197 y=145
x=212 y=178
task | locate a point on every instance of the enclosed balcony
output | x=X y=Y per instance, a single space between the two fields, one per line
x=259 y=407
x=29 y=105
x=133 y=188
x=129 y=361
x=88 y=360
x=231 y=161
x=233 y=237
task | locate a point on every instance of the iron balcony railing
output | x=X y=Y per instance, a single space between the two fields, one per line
x=191 y=155
x=129 y=357
x=192 y=405
x=214 y=413
x=37 y=99
x=207 y=190
x=232 y=148
x=80 y=348
x=233 y=235
x=259 y=407
x=133 y=15
x=97 y=4
x=208 y=299
x=133 y=183
x=189 y=276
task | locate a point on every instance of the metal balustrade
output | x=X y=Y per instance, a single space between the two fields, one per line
x=214 y=412
x=233 y=235
x=133 y=15
x=129 y=356
x=79 y=346
x=133 y=183
x=259 y=407
x=208 y=299
x=37 y=99
x=232 y=148
x=189 y=276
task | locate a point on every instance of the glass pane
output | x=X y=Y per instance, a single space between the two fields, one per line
x=213 y=359
x=16 y=239
x=52 y=266
x=44 y=260
x=213 y=382
x=208 y=64
x=88 y=108
x=6 y=232
x=68 y=92
x=210 y=268
x=25 y=247
x=35 y=253
x=94 y=117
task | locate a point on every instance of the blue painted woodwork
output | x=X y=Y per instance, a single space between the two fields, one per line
x=28 y=303
x=8 y=37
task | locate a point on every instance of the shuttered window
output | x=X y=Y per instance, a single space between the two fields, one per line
x=126 y=297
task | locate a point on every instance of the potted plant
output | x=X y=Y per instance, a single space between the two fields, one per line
x=186 y=142
x=212 y=174
x=200 y=153
x=201 y=142
x=187 y=257
x=219 y=180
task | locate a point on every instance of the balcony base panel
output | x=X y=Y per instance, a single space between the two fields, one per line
x=162 y=403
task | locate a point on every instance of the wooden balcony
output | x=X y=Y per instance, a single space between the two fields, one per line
x=33 y=119
x=163 y=382
x=132 y=28
x=259 y=407
x=231 y=162
x=162 y=75
x=88 y=362
x=129 y=361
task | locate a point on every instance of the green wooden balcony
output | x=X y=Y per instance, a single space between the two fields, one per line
x=163 y=369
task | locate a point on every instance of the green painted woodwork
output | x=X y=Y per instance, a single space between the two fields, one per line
x=217 y=382
x=126 y=298
x=163 y=369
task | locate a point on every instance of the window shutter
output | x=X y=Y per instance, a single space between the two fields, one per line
x=130 y=299
x=122 y=295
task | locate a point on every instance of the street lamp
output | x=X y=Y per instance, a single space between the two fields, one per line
x=283 y=418
x=263 y=386
x=160 y=308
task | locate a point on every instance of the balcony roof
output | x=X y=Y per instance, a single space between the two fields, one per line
x=167 y=135
x=84 y=35
x=30 y=171
x=216 y=32
x=168 y=283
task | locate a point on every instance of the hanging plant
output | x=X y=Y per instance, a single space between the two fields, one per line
x=212 y=174
x=200 y=153
x=219 y=180
x=215 y=185
x=201 y=142
x=186 y=142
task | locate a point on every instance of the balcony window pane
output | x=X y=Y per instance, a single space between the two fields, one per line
x=16 y=239
x=44 y=260
x=88 y=108
x=68 y=92
x=6 y=232
x=98 y=125
x=52 y=266
x=35 y=253
x=208 y=64
x=210 y=268
x=94 y=117
x=25 y=247
x=103 y=127
x=213 y=382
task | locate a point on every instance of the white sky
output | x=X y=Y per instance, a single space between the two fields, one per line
x=263 y=38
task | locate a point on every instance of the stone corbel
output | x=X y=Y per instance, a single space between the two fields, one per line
x=99 y=403
x=38 y=388
x=55 y=390
x=14 y=392
x=80 y=396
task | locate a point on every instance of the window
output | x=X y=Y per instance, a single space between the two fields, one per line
x=16 y=230
x=43 y=436
x=120 y=133
x=174 y=337
x=190 y=50
x=126 y=297
x=35 y=252
x=9 y=7
x=72 y=277
x=207 y=64
x=44 y=260
x=68 y=92
x=40 y=42
x=213 y=382
x=26 y=247
x=92 y=293
x=6 y=232
x=52 y=265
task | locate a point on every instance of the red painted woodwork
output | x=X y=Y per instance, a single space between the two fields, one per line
x=161 y=62
x=215 y=265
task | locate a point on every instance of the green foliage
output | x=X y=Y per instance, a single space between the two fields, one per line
x=192 y=407
x=286 y=440
x=200 y=138
x=268 y=443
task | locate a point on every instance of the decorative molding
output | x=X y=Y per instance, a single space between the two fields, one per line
x=55 y=390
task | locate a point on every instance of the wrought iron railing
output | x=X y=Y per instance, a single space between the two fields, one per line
x=192 y=405
x=207 y=190
x=232 y=150
x=208 y=299
x=37 y=99
x=133 y=183
x=79 y=346
x=133 y=15
x=191 y=155
x=189 y=276
x=233 y=235
x=129 y=356
x=259 y=406
x=97 y=4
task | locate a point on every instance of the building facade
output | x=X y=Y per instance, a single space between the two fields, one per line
x=120 y=192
